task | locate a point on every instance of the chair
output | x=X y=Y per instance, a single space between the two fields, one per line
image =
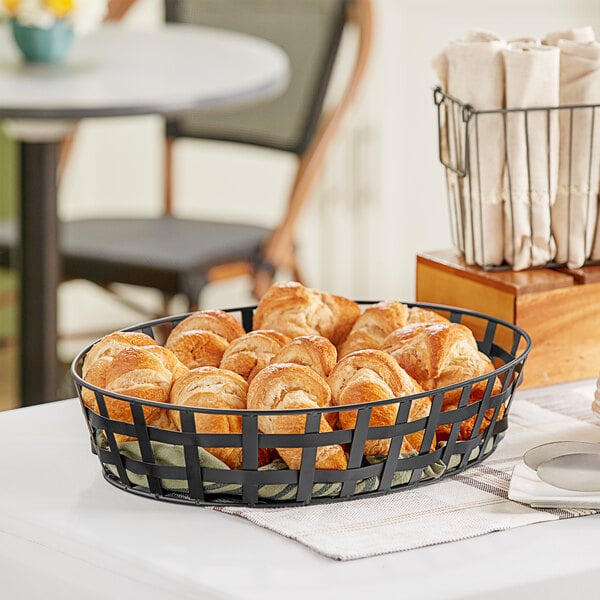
x=182 y=256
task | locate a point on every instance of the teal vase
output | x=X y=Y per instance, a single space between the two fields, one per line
x=43 y=45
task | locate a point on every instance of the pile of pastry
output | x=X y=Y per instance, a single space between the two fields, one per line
x=308 y=349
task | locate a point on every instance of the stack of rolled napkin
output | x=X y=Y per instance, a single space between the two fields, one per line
x=530 y=195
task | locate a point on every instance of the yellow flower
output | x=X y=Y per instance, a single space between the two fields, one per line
x=59 y=8
x=11 y=5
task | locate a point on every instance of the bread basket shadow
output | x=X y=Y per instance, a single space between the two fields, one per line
x=174 y=466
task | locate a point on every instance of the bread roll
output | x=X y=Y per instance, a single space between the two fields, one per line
x=202 y=338
x=371 y=375
x=253 y=351
x=296 y=311
x=441 y=354
x=211 y=387
x=291 y=386
x=374 y=325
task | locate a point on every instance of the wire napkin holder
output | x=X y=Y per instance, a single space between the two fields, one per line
x=528 y=152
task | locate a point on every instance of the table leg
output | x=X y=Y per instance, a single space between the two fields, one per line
x=40 y=272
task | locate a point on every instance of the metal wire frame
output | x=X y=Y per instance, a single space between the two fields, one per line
x=459 y=144
x=506 y=344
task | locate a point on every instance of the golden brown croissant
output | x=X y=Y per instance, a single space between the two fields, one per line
x=437 y=354
x=451 y=400
x=104 y=374
x=211 y=387
x=145 y=372
x=291 y=386
x=297 y=310
x=416 y=314
x=371 y=375
x=374 y=325
x=253 y=351
x=441 y=354
x=110 y=345
x=314 y=351
x=200 y=339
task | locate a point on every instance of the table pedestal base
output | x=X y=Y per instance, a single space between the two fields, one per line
x=39 y=265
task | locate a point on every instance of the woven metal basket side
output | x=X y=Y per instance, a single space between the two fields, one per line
x=172 y=465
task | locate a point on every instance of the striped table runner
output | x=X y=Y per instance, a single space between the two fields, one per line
x=468 y=504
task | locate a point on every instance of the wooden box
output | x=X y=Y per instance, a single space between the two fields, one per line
x=559 y=309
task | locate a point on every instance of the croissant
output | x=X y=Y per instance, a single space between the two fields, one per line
x=202 y=338
x=374 y=325
x=441 y=354
x=314 y=351
x=297 y=310
x=291 y=386
x=110 y=345
x=451 y=401
x=145 y=372
x=253 y=351
x=211 y=387
x=416 y=314
x=112 y=373
x=437 y=354
x=371 y=375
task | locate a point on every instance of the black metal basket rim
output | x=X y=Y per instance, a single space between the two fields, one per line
x=268 y=412
x=439 y=94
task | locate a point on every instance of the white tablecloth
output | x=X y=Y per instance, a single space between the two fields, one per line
x=67 y=533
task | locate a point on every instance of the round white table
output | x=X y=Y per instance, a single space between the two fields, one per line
x=115 y=72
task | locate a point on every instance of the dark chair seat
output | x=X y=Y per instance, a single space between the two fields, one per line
x=169 y=253
x=168 y=243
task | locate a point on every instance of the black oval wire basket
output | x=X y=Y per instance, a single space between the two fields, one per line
x=173 y=465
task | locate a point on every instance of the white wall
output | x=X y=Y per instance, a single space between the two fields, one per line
x=382 y=199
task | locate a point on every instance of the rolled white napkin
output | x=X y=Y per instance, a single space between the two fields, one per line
x=578 y=34
x=452 y=151
x=575 y=210
x=532 y=142
x=475 y=75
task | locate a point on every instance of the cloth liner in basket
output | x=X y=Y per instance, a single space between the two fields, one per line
x=168 y=454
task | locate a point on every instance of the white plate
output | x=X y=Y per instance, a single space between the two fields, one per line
x=574 y=472
x=539 y=454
